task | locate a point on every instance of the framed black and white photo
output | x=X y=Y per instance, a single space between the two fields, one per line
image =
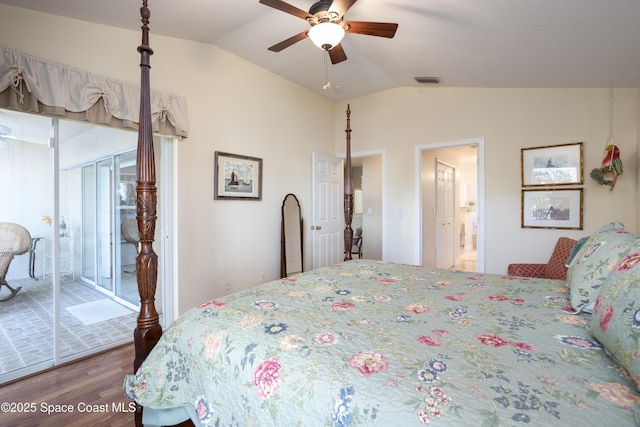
x=555 y=208
x=552 y=165
x=237 y=177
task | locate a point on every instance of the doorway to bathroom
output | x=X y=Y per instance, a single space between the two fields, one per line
x=451 y=204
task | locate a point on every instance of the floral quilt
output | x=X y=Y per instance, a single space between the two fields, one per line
x=369 y=342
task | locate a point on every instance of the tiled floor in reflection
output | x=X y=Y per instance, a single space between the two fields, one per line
x=26 y=324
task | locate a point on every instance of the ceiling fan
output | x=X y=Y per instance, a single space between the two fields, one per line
x=328 y=26
x=6 y=137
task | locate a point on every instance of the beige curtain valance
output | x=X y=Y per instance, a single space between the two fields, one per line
x=35 y=85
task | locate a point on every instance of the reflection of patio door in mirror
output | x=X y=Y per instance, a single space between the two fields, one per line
x=104 y=208
x=125 y=285
x=114 y=201
x=89 y=223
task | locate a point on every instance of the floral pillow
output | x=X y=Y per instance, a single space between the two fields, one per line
x=616 y=316
x=576 y=248
x=594 y=262
x=579 y=248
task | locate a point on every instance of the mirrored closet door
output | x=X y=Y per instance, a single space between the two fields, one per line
x=71 y=184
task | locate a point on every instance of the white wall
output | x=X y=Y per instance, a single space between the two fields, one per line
x=508 y=119
x=237 y=107
x=234 y=106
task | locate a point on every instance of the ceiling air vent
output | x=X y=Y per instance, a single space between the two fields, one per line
x=428 y=80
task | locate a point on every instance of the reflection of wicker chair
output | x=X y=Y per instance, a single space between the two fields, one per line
x=130 y=232
x=14 y=240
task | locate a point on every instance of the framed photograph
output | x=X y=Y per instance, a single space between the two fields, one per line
x=237 y=177
x=560 y=209
x=552 y=165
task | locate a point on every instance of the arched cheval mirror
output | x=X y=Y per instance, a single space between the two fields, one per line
x=291 y=240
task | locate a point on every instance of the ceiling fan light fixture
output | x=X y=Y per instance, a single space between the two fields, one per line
x=326 y=35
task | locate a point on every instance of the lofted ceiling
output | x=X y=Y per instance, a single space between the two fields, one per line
x=465 y=43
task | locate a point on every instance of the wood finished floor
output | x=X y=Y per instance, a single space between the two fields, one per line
x=92 y=383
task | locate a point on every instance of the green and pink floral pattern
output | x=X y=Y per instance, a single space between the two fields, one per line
x=616 y=315
x=369 y=343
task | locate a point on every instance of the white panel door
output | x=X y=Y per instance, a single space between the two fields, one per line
x=445 y=215
x=327 y=226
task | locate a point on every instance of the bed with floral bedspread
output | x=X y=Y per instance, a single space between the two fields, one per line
x=368 y=342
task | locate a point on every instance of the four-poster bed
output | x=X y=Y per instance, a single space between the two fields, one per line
x=367 y=342
x=148 y=329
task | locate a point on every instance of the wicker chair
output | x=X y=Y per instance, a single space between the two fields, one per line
x=14 y=240
x=555 y=268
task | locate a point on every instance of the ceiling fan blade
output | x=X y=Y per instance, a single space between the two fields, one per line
x=337 y=54
x=288 y=42
x=341 y=6
x=25 y=139
x=286 y=7
x=379 y=29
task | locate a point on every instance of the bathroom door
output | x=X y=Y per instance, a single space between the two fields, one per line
x=445 y=215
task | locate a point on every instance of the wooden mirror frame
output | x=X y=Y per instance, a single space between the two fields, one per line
x=291 y=207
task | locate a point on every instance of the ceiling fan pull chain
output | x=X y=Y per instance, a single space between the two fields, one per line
x=327 y=85
x=611 y=112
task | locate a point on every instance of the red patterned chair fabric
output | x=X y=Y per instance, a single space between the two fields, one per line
x=554 y=269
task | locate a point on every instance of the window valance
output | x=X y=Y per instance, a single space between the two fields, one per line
x=35 y=85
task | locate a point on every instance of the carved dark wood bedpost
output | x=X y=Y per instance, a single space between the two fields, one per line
x=348 y=193
x=148 y=330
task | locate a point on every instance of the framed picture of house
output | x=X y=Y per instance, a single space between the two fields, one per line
x=552 y=165
x=237 y=177
x=557 y=208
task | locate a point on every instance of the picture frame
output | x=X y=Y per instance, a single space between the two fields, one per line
x=237 y=177
x=552 y=165
x=552 y=208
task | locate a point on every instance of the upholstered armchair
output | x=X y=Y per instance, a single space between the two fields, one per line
x=555 y=268
x=14 y=240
